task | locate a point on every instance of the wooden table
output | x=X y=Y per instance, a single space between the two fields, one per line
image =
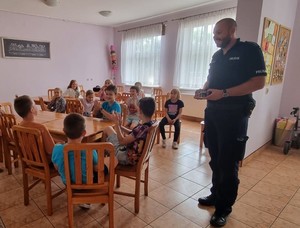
x=54 y=122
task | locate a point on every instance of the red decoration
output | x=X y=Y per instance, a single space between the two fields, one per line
x=113 y=58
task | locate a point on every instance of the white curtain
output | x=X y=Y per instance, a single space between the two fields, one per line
x=195 y=47
x=140 y=55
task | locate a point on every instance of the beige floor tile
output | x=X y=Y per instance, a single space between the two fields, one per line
x=291 y=214
x=167 y=197
x=42 y=222
x=263 y=202
x=97 y=211
x=162 y=176
x=175 y=168
x=174 y=220
x=247 y=182
x=184 y=186
x=241 y=191
x=253 y=172
x=200 y=178
x=280 y=223
x=8 y=183
x=197 y=214
x=93 y=224
x=122 y=219
x=203 y=192
x=21 y=215
x=149 y=209
x=260 y=165
x=295 y=201
x=204 y=168
x=189 y=162
x=251 y=216
x=11 y=198
x=277 y=179
x=274 y=191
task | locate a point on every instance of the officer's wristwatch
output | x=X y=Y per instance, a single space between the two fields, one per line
x=225 y=93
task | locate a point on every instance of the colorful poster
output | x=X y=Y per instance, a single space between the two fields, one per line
x=268 y=43
x=281 y=51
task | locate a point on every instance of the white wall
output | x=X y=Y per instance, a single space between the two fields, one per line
x=78 y=51
x=250 y=19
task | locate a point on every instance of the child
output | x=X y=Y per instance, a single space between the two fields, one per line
x=132 y=104
x=88 y=103
x=72 y=90
x=109 y=106
x=74 y=128
x=126 y=141
x=57 y=103
x=173 y=108
x=102 y=93
x=26 y=109
x=141 y=93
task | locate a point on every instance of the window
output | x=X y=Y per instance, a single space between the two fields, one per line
x=140 y=55
x=195 y=47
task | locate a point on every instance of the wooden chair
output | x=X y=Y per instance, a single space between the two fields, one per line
x=42 y=104
x=51 y=93
x=5 y=107
x=125 y=96
x=124 y=112
x=135 y=172
x=89 y=192
x=34 y=162
x=73 y=105
x=120 y=88
x=7 y=122
x=160 y=112
x=157 y=91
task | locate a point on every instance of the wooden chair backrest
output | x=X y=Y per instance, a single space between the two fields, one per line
x=157 y=91
x=124 y=112
x=42 y=104
x=148 y=146
x=50 y=93
x=160 y=101
x=80 y=150
x=125 y=96
x=31 y=148
x=73 y=105
x=6 y=123
x=120 y=88
x=6 y=107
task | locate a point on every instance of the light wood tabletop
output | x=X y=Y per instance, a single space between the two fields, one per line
x=54 y=122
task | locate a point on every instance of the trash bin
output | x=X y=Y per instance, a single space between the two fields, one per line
x=283 y=130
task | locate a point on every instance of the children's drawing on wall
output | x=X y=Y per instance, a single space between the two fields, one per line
x=282 y=45
x=268 y=43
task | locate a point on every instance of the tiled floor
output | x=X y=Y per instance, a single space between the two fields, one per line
x=269 y=194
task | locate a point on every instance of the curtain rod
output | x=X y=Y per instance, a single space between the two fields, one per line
x=183 y=18
x=125 y=30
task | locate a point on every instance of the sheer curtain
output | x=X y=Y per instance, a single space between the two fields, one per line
x=195 y=47
x=140 y=55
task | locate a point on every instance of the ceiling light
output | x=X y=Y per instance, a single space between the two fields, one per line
x=105 y=13
x=51 y=2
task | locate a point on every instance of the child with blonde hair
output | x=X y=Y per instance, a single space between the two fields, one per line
x=88 y=103
x=173 y=108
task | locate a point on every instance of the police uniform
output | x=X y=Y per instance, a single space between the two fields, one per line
x=226 y=120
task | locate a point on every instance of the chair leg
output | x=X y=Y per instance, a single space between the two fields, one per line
x=1 y=149
x=25 y=188
x=49 y=197
x=137 y=194
x=70 y=214
x=111 y=213
x=7 y=158
x=146 y=181
x=118 y=184
x=158 y=136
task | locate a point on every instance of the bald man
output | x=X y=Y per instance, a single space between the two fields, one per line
x=237 y=69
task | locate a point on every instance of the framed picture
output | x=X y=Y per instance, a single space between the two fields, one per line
x=14 y=48
x=268 y=42
x=281 y=51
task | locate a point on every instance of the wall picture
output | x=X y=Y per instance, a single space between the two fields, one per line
x=268 y=43
x=281 y=51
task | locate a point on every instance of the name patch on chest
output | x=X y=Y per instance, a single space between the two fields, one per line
x=234 y=58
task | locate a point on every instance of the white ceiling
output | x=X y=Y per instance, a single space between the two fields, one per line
x=86 y=11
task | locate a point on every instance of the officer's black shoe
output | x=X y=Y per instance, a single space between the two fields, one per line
x=207 y=200
x=218 y=220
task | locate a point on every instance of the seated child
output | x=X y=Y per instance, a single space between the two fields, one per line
x=101 y=92
x=72 y=90
x=74 y=128
x=173 y=108
x=126 y=141
x=141 y=93
x=57 y=103
x=132 y=104
x=26 y=109
x=88 y=103
x=109 y=106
